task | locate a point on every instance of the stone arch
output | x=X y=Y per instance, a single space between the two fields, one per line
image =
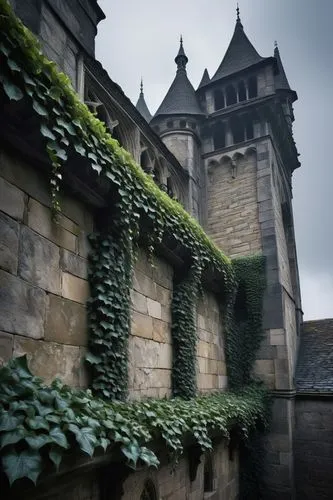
x=226 y=159
x=149 y=491
x=250 y=151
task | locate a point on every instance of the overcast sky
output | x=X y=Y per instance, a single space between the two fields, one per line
x=141 y=37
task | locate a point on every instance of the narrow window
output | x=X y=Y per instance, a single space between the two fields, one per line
x=249 y=128
x=253 y=87
x=208 y=475
x=241 y=91
x=231 y=95
x=219 y=135
x=182 y=123
x=237 y=129
x=218 y=100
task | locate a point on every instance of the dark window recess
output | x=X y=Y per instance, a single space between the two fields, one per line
x=241 y=91
x=249 y=128
x=170 y=124
x=219 y=135
x=144 y=160
x=208 y=475
x=170 y=188
x=237 y=129
x=193 y=125
x=149 y=492
x=182 y=123
x=231 y=95
x=253 y=87
x=218 y=100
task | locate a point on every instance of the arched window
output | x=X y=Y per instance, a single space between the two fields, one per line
x=249 y=128
x=237 y=129
x=231 y=95
x=208 y=475
x=253 y=87
x=241 y=91
x=219 y=135
x=219 y=100
x=144 y=160
x=149 y=491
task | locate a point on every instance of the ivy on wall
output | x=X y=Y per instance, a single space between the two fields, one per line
x=184 y=333
x=39 y=424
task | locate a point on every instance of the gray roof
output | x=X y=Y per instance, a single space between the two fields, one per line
x=142 y=107
x=181 y=97
x=240 y=54
x=314 y=371
x=281 y=81
x=205 y=79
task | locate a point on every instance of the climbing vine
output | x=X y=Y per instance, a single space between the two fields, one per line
x=109 y=313
x=184 y=334
x=39 y=423
x=245 y=333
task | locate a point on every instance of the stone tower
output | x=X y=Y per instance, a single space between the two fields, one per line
x=178 y=121
x=234 y=136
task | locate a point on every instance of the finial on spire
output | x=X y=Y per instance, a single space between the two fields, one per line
x=238 y=19
x=141 y=86
x=181 y=58
x=275 y=44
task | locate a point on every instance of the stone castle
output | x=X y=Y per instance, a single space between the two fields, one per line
x=226 y=152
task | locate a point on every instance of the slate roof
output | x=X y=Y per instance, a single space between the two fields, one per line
x=142 y=107
x=205 y=79
x=181 y=97
x=240 y=54
x=314 y=371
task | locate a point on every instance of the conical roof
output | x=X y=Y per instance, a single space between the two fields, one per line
x=281 y=80
x=181 y=97
x=142 y=107
x=240 y=54
x=205 y=79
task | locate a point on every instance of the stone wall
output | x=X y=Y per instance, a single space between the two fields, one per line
x=232 y=220
x=314 y=449
x=43 y=275
x=177 y=485
x=211 y=370
x=150 y=349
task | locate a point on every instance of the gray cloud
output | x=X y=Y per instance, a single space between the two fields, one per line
x=142 y=38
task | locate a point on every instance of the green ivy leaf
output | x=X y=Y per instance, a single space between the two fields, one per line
x=37 y=423
x=38 y=441
x=11 y=437
x=92 y=359
x=18 y=465
x=85 y=438
x=39 y=108
x=58 y=437
x=132 y=453
x=46 y=132
x=14 y=93
x=55 y=455
x=9 y=422
x=13 y=66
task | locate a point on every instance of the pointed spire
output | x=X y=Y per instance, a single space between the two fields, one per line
x=240 y=54
x=281 y=81
x=181 y=59
x=141 y=105
x=238 y=20
x=181 y=97
x=205 y=79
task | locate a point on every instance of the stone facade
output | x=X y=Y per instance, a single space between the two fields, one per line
x=177 y=484
x=43 y=275
x=314 y=448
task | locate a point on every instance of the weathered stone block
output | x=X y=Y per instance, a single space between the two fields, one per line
x=74 y=288
x=39 y=261
x=139 y=302
x=66 y=322
x=9 y=238
x=154 y=309
x=22 y=307
x=83 y=245
x=150 y=354
x=11 y=200
x=50 y=360
x=163 y=295
x=77 y=212
x=73 y=264
x=6 y=347
x=144 y=284
x=277 y=337
x=39 y=219
x=142 y=325
x=161 y=331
